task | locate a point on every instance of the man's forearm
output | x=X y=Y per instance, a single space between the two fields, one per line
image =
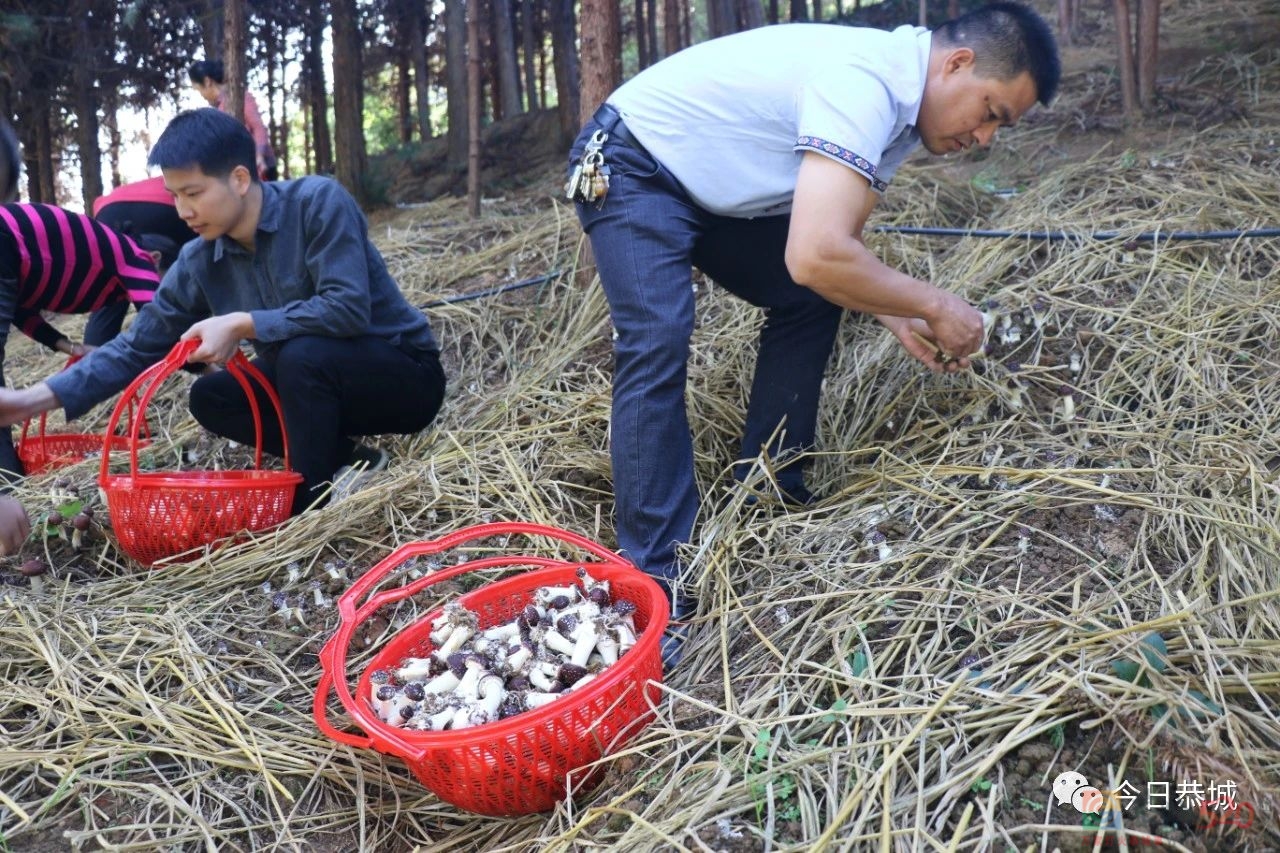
x=17 y=406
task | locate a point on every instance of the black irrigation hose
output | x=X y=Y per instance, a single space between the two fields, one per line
x=481 y=294
x=1146 y=236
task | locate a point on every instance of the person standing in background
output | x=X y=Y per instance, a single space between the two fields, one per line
x=207 y=78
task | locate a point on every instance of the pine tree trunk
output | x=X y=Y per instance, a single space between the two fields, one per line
x=234 y=41
x=211 y=29
x=418 y=58
x=528 y=47
x=799 y=11
x=651 y=29
x=271 y=47
x=455 y=67
x=670 y=27
x=45 y=171
x=308 y=158
x=642 y=37
x=601 y=54
x=86 y=108
x=112 y=124
x=1124 y=40
x=404 y=103
x=317 y=90
x=817 y=9
x=473 y=107
x=565 y=58
x=282 y=138
x=1148 y=51
x=505 y=48
x=348 y=121
x=751 y=14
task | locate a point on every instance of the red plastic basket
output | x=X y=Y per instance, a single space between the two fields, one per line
x=42 y=451
x=163 y=514
x=522 y=764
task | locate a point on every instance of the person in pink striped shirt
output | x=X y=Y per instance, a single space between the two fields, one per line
x=207 y=78
x=64 y=262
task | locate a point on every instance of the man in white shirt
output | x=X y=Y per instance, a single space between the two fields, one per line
x=758 y=157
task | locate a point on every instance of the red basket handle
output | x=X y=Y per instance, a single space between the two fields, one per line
x=333 y=657
x=44 y=416
x=148 y=382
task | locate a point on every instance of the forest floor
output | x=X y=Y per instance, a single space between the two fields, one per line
x=989 y=594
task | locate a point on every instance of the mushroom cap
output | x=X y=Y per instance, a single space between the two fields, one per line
x=569 y=674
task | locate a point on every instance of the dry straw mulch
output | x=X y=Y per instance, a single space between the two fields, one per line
x=972 y=609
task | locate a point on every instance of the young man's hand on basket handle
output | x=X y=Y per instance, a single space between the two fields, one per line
x=220 y=337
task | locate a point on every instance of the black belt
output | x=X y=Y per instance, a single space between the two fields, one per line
x=610 y=120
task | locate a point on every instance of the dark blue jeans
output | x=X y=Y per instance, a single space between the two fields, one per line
x=647 y=237
x=329 y=389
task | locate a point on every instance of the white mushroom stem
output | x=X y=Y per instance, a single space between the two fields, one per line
x=626 y=637
x=441 y=633
x=586 y=609
x=414 y=669
x=459 y=635
x=1068 y=407
x=442 y=683
x=469 y=686
x=537 y=700
x=585 y=643
x=516 y=660
x=440 y=719
x=557 y=642
x=607 y=646
x=461 y=718
x=492 y=692
x=541 y=679
x=505 y=631
x=384 y=702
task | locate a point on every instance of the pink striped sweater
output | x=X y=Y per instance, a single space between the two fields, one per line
x=67 y=263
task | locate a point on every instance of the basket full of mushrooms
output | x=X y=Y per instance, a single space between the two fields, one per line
x=499 y=700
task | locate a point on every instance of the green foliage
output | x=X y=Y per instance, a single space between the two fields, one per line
x=1155 y=656
x=784 y=785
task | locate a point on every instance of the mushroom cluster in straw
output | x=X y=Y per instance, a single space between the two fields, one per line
x=560 y=641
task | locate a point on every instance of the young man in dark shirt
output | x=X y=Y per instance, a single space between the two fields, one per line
x=289 y=266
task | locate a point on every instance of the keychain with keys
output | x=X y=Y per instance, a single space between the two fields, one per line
x=590 y=179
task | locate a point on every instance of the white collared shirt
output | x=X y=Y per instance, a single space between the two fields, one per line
x=732 y=117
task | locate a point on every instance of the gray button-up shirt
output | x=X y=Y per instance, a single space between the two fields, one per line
x=313 y=271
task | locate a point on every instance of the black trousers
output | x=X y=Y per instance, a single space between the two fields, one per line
x=330 y=389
